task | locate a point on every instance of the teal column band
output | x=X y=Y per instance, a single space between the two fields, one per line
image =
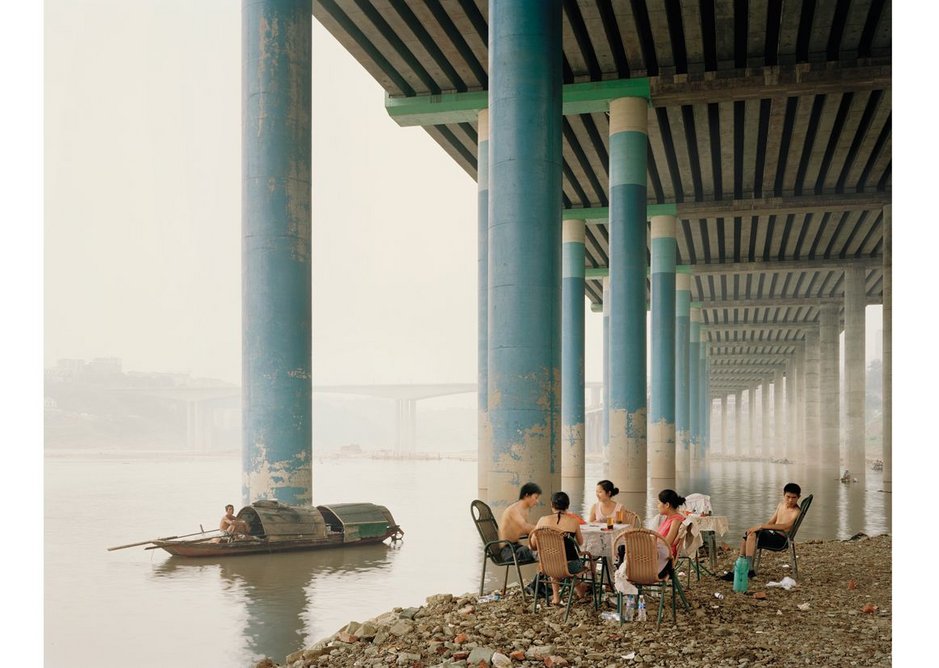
x=606 y=370
x=572 y=355
x=277 y=429
x=682 y=347
x=483 y=440
x=628 y=412
x=779 y=417
x=661 y=428
x=524 y=247
x=694 y=382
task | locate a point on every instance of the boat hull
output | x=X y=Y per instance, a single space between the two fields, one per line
x=260 y=546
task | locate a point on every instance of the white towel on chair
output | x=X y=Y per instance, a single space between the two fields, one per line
x=698 y=503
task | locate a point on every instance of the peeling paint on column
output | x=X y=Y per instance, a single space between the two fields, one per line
x=280 y=480
x=524 y=247
x=276 y=247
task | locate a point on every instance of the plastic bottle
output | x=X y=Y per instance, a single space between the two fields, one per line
x=630 y=613
x=641 y=612
x=741 y=574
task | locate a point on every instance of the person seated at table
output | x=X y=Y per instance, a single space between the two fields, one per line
x=668 y=505
x=772 y=534
x=514 y=524
x=605 y=506
x=565 y=522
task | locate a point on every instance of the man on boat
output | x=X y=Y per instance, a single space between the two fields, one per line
x=231 y=524
x=514 y=524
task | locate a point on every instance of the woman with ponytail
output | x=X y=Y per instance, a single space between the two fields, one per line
x=567 y=523
x=605 y=505
x=668 y=505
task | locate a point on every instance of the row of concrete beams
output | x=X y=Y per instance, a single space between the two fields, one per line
x=594 y=96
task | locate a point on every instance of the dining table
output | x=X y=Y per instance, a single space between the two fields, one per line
x=598 y=541
x=710 y=526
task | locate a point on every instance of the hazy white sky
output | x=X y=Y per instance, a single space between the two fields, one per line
x=143 y=208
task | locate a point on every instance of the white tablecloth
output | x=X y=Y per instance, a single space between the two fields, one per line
x=597 y=540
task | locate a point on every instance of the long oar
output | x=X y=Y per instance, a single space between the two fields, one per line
x=152 y=540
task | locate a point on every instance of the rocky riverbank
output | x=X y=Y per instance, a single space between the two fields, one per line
x=838 y=614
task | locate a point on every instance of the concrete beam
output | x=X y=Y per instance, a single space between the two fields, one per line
x=761 y=266
x=779 y=301
x=759 y=83
x=666 y=90
x=579 y=98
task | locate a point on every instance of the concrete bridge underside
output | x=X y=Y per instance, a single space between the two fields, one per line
x=766 y=140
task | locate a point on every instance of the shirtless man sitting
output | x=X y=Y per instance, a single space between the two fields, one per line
x=514 y=524
x=231 y=524
x=772 y=534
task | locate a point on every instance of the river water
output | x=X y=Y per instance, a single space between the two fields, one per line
x=144 y=608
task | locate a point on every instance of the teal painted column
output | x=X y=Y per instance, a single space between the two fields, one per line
x=627 y=227
x=572 y=356
x=682 y=377
x=524 y=247
x=694 y=381
x=661 y=427
x=277 y=430
x=606 y=372
x=483 y=435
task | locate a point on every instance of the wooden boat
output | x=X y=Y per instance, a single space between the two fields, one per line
x=277 y=527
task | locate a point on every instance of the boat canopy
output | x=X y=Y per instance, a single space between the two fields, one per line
x=278 y=521
x=358 y=520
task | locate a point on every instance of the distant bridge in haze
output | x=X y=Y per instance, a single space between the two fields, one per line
x=206 y=404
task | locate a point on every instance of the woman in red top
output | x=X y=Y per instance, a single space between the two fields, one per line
x=668 y=505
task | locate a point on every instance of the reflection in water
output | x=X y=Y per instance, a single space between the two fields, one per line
x=234 y=610
x=278 y=590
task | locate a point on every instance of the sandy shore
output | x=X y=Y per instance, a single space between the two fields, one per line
x=837 y=615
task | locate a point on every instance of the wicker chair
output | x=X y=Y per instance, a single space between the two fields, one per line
x=790 y=539
x=631 y=519
x=552 y=563
x=488 y=530
x=642 y=569
x=688 y=546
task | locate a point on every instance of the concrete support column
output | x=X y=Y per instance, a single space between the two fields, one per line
x=661 y=426
x=829 y=371
x=791 y=410
x=888 y=351
x=802 y=393
x=572 y=355
x=812 y=398
x=779 y=417
x=704 y=397
x=766 y=435
x=524 y=247
x=751 y=421
x=738 y=423
x=277 y=391
x=855 y=370
x=694 y=380
x=628 y=149
x=483 y=434
x=725 y=446
x=605 y=438
x=682 y=389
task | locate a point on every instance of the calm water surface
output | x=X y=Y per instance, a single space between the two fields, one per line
x=146 y=608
